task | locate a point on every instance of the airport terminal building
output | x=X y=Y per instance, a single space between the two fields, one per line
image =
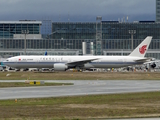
x=66 y=38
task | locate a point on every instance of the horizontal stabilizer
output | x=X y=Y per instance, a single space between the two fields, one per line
x=142 y=60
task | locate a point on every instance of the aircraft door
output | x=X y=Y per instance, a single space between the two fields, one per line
x=17 y=60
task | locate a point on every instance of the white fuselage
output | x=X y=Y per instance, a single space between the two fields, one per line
x=49 y=61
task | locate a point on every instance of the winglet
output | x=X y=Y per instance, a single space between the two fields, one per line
x=142 y=48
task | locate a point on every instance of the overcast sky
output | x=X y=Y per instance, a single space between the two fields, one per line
x=77 y=10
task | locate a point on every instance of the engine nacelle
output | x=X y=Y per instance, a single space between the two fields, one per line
x=153 y=65
x=60 y=67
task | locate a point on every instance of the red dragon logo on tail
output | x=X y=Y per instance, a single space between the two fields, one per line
x=143 y=49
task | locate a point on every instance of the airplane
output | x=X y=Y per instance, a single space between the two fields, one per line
x=63 y=63
x=45 y=53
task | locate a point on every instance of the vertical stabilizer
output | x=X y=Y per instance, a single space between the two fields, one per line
x=142 y=48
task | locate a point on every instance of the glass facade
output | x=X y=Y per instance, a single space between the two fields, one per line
x=111 y=46
x=110 y=30
x=115 y=35
x=67 y=36
x=41 y=44
x=73 y=30
x=157 y=10
x=46 y=28
x=8 y=29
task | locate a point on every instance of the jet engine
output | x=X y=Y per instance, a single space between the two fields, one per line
x=60 y=67
x=153 y=65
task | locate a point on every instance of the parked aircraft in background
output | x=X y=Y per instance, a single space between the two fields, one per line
x=62 y=63
x=45 y=53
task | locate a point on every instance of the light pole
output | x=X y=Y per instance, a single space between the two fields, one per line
x=132 y=32
x=25 y=32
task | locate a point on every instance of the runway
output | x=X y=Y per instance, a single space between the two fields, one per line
x=80 y=87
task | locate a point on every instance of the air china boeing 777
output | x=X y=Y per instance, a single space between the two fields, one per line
x=62 y=63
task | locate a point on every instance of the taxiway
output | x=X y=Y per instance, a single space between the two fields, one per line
x=80 y=87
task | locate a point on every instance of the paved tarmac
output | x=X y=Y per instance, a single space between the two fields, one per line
x=80 y=87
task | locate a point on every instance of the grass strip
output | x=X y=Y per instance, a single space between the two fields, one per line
x=21 y=84
x=80 y=75
x=84 y=107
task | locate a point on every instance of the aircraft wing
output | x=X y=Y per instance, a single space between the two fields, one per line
x=81 y=62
